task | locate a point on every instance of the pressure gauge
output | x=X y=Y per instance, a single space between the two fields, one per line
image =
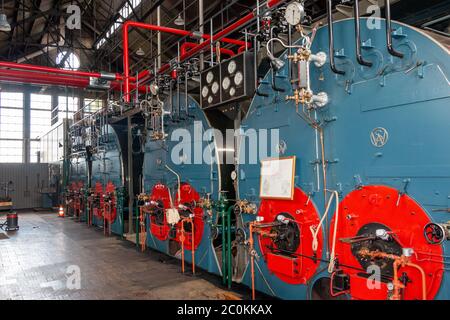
x=232 y=67
x=210 y=99
x=294 y=13
x=226 y=83
x=205 y=91
x=232 y=91
x=238 y=78
x=209 y=77
x=154 y=89
x=215 y=87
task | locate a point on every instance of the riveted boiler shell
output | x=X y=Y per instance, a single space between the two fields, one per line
x=187 y=150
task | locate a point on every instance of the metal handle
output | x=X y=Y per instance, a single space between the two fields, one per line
x=391 y=50
x=359 y=57
x=331 y=39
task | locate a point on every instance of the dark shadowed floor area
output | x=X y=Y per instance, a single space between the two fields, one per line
x=40 y=260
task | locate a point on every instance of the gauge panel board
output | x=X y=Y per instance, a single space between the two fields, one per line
x=235 y=77
x=210 y=78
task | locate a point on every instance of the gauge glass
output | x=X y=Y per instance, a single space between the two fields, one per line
x=232 y=91
x=232 y=67
x=238 y=78
x=209 y=77
x=226 y=83
x=294 y=13
x=205 y=91
x=215 y=87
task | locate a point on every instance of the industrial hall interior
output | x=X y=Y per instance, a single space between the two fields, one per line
x=225 y=150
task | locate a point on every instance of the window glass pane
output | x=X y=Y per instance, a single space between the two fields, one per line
x=35 y=147
x=71 y=106
x=11 y=123
x=11 y=99
x=41 y=101
x=92 y=105
x=11 y=151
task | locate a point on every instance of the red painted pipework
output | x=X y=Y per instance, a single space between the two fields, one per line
x=31 y=67
x=18 y=76
x=247 y=18
x=180 y=32
x=42 y=78
x=188 y=45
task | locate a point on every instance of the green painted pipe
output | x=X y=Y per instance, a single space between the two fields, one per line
x=137 y=225
x=229 y=273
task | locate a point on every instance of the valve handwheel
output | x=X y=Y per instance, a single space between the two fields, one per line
x=434 y=233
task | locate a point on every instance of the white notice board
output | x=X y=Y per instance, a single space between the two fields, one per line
x=277 y=178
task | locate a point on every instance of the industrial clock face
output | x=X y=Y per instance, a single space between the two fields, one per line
x=226 y=83
x=294 y=13
x=232 y=91
x=232 y=67
x=238 y=78
x=205 y=91
x=215 y=87
x=209 y=77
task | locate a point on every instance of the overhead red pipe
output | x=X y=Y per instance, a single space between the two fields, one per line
x=188 y=45
x=32 y=77
x=76 y=73
x=42 y=78
x=247 y=18
x=180 y=32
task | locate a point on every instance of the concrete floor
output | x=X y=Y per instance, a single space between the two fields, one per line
x=38 y=261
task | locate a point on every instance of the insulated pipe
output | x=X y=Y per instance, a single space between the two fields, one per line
x=30 y=67
x=19 y=76
x=42 y=78
x=359 y=57
x=331 y=39
x=180 y=32
x=391 y=50
x=189 y=45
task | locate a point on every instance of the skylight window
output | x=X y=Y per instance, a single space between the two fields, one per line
x=71 y=61
x=124 y=12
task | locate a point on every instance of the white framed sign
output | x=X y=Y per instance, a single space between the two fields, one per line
x=277 y=178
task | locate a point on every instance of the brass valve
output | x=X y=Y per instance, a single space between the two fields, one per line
x=143 y=197
x=301 y=97
x=302 y=54
x=246 y=207
x=205 y=203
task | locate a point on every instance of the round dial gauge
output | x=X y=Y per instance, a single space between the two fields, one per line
x=232 y=66
x=215 y=87
x=154 y=89
x=232 y=91
x=209 y=77
x=226 y=83
x=238 y=78
x=210 y=99
x=294 y=13
x=205 y=91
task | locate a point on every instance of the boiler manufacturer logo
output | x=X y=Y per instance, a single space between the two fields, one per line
x=379 y=137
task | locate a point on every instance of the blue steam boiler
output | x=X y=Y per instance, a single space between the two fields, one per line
x=175 y=178
x=376 y=154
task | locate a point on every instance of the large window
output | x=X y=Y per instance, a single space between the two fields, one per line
x=40 y=114
x=11 y=126
x=92 y=105
x=40 y=121
x=67 y=106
